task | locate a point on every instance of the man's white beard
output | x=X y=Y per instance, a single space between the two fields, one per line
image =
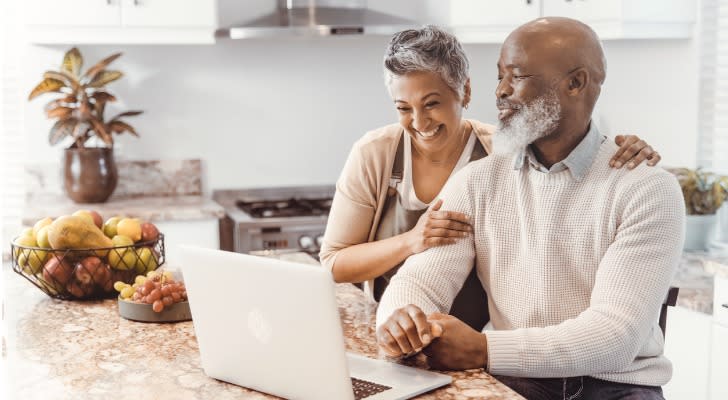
x=530 y=123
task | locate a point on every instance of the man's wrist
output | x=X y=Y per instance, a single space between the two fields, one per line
x=484 y=352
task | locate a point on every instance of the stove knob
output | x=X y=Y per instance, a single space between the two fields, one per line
x=305 y=242
x=319 y=240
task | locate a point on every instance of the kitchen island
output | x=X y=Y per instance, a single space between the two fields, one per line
x=83 y=350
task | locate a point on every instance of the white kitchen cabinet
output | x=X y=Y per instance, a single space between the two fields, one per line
x=688 y=347
x=719 y=364
x=72 y=13
x=490 y=21
x=121 y=21
x=625 y=19
x=168 y=13
x=478 y=20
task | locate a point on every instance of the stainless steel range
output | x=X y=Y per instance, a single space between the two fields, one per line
x=274 y=219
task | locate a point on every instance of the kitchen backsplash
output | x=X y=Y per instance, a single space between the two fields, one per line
x=137 y=178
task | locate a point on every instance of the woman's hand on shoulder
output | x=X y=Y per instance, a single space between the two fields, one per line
x=438 y=227
x=632 y=152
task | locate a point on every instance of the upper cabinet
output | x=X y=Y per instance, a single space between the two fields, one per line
x=490 y=21
x=121 y=21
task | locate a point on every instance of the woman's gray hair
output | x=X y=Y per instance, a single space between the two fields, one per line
x=428 y=49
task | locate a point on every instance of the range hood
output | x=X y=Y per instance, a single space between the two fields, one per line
x=318 y=18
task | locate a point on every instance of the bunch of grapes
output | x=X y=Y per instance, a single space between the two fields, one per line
x=159 y=290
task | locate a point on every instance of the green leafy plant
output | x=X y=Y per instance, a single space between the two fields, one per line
x=80 y=109
x=704 y=192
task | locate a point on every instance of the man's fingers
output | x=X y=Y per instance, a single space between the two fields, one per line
x=400 y=337
x=436 y=329
x=410 y=330
x=388 y=344
x=421 y=325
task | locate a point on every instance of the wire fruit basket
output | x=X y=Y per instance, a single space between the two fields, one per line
x=75 y=274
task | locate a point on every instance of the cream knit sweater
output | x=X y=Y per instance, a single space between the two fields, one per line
x=575 y=272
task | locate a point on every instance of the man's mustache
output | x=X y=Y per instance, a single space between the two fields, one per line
x=503 y=103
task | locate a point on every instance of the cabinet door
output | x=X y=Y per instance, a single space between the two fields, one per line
x=72 y=13
x=168 y=13
x=493 y=12
x=719 y=365
x=583 y=10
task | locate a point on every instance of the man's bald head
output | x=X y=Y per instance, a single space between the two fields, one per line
x=550 y=74
x=566 y=43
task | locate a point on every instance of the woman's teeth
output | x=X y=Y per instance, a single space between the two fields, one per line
x=429 y=133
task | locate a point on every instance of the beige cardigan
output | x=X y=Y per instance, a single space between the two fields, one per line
x=362 y=188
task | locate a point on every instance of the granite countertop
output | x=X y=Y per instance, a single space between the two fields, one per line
x=84 y=350
x=695 y=276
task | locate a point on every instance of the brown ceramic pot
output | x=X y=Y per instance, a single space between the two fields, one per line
x=90 y=174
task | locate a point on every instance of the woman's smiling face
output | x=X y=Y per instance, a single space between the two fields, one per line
x=429 y=110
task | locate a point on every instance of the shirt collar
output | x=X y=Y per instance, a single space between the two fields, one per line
x=577 y=162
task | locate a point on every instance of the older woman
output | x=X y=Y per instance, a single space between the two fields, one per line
x=385 y=207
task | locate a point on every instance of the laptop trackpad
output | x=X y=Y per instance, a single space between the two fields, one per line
x=405 y=381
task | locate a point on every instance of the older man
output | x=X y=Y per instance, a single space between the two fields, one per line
x=576 y=257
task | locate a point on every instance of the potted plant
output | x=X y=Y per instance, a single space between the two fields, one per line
x=90 y=174
x=704 y=193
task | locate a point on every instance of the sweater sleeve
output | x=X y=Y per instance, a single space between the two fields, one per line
x=632 y=279
x=431 y=279
x=352 y=209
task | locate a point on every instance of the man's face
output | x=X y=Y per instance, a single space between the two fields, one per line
x=526 y=96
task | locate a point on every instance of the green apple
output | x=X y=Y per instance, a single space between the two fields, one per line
x=145 y=260
x=42 y=238
x=110 y=227
x=123 y=256
x=41 y=223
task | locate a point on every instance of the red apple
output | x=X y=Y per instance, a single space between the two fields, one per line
x=79 y=290
x=91 y=271
x=149 y=232
x=57 y=272
x=98 y=221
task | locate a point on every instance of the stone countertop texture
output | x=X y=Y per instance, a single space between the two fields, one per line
x=83 y=350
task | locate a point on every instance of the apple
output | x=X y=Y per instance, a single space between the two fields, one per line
x=149 y=232
x=146 y=261
x=123 y=255
x=27 y=232
x=41 y=223
x=79 y=290
x=131 y=228
x=91 y=270
x=42 y=237
x=110 y=227
x=57 y=272
x=98 y=221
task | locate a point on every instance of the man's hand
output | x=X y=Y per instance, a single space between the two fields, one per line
x=458 y=347
x=405 y=332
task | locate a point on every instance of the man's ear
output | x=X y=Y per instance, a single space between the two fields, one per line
x=578 y=81
x=466 y=93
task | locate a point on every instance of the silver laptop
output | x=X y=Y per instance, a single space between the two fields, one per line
x=273 y=326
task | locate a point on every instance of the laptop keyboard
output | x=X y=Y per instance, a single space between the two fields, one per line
x=364 y=389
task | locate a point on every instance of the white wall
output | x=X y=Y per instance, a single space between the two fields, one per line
x=270 y=112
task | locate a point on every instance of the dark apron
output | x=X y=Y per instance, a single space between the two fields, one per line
x=471 y=303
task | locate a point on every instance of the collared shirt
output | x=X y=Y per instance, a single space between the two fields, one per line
x=577 y=162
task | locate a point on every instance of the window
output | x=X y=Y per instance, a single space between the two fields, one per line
x=713 y=107
x=12 y=144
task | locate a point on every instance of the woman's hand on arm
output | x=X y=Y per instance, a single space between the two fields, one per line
x=364 y=261
x=437 y=227
x=632 y=152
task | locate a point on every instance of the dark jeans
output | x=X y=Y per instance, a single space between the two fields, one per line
x=580 y=387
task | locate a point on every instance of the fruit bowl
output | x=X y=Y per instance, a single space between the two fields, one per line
x=144 y=313
x=74 y=274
